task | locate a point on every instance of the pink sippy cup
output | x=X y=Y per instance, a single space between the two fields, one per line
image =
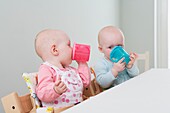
x=81 y=52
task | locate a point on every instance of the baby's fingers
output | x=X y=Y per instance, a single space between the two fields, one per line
x=133 y=55
x=63 y=87
x=61 y=84
x=123 y=64
x=58 y=82
x=121 y=60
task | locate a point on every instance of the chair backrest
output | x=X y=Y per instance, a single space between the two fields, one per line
x=31 y=81
x=145 y=58
x=94 y=88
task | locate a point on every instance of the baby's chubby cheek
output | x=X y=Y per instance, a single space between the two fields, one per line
x=108 y=53
x=71 y=53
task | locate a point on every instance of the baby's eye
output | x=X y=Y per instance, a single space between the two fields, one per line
x=69 y=44
x=110 y=47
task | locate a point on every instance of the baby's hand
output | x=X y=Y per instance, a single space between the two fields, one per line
x=118 y=67
x=81 y=62
x=133 y=57
x=59 y=86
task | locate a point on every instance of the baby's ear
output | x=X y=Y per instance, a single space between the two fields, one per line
x=100 y=48
x=54 y=50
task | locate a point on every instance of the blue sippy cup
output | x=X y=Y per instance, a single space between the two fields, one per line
x=118 y=53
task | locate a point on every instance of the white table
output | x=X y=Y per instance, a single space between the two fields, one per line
x=146 y=93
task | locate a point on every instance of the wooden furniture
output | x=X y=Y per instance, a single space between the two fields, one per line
x=145 y=58
x=13 y=103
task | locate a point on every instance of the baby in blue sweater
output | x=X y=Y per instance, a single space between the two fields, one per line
x=109 y=74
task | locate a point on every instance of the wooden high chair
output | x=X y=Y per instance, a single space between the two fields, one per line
x=29 y=103
x=94 y=88
x=143 y=57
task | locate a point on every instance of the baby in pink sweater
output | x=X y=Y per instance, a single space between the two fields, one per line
x=59 y=85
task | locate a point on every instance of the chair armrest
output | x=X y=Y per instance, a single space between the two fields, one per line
x=26 y=103
x=12 y=103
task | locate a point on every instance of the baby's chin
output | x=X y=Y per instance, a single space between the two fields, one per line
x=68 y=63
x=108 y=58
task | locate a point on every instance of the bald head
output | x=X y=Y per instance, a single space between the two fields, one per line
x=109 y=32
x=45 y=39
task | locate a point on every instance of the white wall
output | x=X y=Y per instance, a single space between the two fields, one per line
x=21 y=20
x=137 y=23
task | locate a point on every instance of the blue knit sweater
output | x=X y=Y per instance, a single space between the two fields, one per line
x=106 y=79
